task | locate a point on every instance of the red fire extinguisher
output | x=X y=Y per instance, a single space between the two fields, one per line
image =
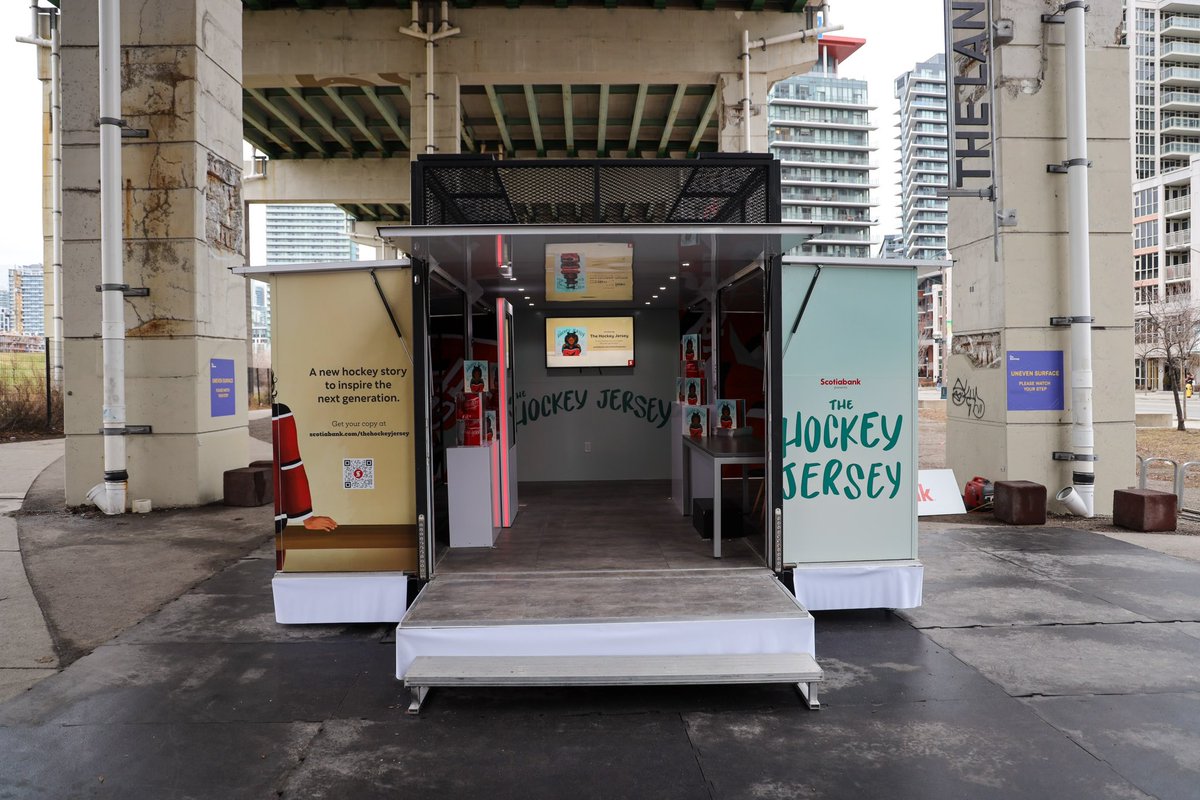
x=977 y=493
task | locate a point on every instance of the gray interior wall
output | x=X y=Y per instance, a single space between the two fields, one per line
x=560 y=411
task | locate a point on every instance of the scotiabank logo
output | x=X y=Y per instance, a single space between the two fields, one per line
x=841 y=381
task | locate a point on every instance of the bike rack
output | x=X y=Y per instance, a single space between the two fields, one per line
x=1144 y=463
x=1180 y=475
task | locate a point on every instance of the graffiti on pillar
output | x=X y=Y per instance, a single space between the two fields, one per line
x=967 y=396
x=983 y=349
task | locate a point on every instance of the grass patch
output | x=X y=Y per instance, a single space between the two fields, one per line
x=23 y=397
x=1179 y=446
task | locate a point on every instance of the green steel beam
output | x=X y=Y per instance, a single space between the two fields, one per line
x=498 y=113
x=569 y=118
x=531 y=104
x=391 y=209
x=288 y=119
x=602 y=122
x=680 y=91
x=794 y=5
x=610 y=3
x=323 y=119
x=358 y=3
x=356 y=117
x=309 y=4
x=638 y=107
x=708 y=5
x=368 y=213
x=265 y=127
x=561 y=3
x=755 y=5
x=388 y=113
x=466 y=133
x=704 y=120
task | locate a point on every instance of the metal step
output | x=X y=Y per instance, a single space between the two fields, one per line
x=429 y=671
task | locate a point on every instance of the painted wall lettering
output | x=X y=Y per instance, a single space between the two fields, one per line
x=653 y=410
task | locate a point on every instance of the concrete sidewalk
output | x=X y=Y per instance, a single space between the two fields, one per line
x=63 y=586
x=28 y=653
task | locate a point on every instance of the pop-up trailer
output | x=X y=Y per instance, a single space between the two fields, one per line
x=601 y=425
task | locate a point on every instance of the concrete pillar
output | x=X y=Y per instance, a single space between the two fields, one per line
x=447 y=115
x=181 y=64
x=732 y=131
x=1005 y=305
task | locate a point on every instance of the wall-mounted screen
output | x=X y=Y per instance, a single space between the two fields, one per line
x=589 y=271
x=589 y=341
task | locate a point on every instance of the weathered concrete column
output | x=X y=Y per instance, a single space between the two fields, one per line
x=181 y=68
x=731 y=133
x=447 y=115
x=1001 y=308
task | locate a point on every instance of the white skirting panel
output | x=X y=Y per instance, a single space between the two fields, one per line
x=690 y=637
x=877 y=584
x=330 y=597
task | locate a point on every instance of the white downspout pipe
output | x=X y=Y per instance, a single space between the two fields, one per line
x=430 y=91
x=56 y=211
x=54 y=340
x=112 y=320
x=764 y=43
x=430 y=38
x=745 y=91
x=1083 y=476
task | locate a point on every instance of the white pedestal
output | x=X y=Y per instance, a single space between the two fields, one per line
x=470 y=473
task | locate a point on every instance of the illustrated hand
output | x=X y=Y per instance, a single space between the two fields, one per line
x=320 y=524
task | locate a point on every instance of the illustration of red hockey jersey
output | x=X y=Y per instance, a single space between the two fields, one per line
x=292 y=498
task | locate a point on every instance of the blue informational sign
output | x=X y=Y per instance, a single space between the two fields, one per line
x=1035 y=380
x=221 y=387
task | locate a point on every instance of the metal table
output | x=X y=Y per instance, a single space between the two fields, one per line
x=721 y=450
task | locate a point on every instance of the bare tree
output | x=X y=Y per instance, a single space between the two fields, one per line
x=1169 y=329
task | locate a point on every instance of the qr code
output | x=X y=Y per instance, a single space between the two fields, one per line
x=358 y=473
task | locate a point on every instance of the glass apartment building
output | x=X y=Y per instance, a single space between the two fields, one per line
x=820 y=129
x=923 y=140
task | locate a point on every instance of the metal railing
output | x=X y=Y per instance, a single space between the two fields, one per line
x=1178 y=480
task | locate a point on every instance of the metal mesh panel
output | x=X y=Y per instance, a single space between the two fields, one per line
x=602 y=191
x=641 y=193
x=549 y=195
x=465 y=195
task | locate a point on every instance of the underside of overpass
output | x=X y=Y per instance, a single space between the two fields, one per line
x=532 y=80
x=339 y=98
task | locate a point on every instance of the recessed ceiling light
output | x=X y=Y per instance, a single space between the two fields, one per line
x=671 y=277
x=531 y=304
x=685 y=263
x=519 y=289
x=647 y=302
x=526 y=297
x=512 y=279
x=662 y=288
x=654 y=296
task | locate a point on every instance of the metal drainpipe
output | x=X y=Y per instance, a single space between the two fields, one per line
x=430 y=92
x=56 y=215
x=430 y=38
x=764 y=43
x=1083 y=476
x=116 y=479
x=54 y=339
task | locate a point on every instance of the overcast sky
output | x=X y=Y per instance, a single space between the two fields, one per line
x=898 y=36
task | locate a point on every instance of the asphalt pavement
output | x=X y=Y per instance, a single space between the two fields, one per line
x=1045 y=662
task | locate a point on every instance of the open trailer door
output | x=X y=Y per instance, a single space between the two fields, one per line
x=844 y=446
